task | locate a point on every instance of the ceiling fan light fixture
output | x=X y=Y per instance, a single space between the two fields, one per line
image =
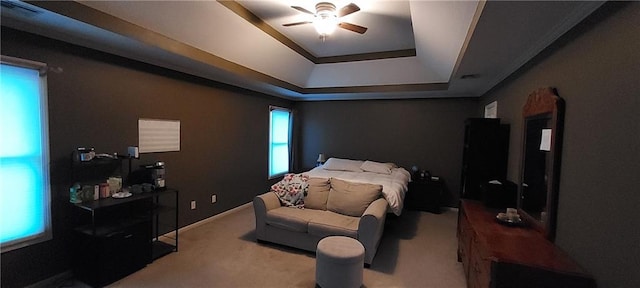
x=326 y=18
x=325 y=24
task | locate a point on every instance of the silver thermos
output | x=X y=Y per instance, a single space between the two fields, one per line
x=157 y=175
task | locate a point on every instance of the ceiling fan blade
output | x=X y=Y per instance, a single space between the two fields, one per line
x=297 y=23
x=353 y=27
x=302 y=10
x=346 y=10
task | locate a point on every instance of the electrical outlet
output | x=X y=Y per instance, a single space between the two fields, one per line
x=193 y=205
x=214 y=198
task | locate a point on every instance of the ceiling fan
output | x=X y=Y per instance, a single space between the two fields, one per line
x=326 y=18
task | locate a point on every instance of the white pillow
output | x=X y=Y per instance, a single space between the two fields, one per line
x=376 y=167
x=343 y=165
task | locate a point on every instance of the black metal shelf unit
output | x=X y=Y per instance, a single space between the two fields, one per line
x=114 y=237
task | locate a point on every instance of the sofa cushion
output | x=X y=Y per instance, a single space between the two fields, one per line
x=317 y=193
x=350 y=198
x=330 y=224
x=291 y=218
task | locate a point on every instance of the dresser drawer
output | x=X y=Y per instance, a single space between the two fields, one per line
x=479 y=265
x=464 y=241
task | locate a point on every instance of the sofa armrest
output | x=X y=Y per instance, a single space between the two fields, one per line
x=269 y=200
x=371 y=227
x=262 y=204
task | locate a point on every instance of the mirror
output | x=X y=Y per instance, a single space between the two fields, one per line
x=543 y=116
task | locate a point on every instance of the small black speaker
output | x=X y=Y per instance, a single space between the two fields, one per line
x=503 y=195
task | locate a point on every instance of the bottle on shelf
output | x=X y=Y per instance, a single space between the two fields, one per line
x=73 y=193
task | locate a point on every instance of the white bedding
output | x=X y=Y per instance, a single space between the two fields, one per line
x=394 y=185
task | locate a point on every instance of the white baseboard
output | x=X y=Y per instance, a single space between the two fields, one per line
x=214 y=217
x=59 y=279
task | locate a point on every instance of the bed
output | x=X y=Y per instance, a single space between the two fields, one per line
x=394 y=179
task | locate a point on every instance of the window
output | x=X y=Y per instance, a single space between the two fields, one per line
x=25 y=216
x=279 y=141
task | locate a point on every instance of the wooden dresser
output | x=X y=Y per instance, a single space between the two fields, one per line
x=494 y=255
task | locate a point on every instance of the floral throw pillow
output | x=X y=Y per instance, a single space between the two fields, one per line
x=292 y=189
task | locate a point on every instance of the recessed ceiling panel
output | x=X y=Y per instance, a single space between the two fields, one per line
x=388 y=22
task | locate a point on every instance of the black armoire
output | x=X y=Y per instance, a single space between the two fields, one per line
x=484 y=158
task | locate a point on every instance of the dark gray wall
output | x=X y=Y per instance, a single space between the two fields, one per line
x=596 y=69
x=428 y=133
x=97 y=100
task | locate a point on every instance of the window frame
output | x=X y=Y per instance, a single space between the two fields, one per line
x=47 y=234
x=289 y=146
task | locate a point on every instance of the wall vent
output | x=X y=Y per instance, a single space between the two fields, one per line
x=18 y=8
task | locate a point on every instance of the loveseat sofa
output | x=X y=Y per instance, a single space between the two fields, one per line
x=332 y=207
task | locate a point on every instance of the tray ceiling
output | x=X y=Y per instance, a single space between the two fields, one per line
x=389 y=24
x=412 y=49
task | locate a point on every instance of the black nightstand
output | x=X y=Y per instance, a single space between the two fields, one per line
x=425 y=195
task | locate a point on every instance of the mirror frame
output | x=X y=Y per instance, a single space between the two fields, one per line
x=541 y=103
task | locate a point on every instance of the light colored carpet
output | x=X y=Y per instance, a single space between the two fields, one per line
x=418 y=249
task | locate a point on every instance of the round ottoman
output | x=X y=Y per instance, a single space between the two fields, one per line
x=339 y=262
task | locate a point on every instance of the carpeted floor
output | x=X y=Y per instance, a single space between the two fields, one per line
x=418 y=249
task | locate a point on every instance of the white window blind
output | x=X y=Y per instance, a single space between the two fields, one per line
x=158 y=135
x=25 y=211
x=279 y=141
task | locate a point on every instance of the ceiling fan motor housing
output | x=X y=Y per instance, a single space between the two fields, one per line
x=325 y=8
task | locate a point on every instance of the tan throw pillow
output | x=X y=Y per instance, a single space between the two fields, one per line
x=317 y=194
x=351 y=198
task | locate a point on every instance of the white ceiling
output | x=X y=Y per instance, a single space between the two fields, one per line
x=489 y=40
